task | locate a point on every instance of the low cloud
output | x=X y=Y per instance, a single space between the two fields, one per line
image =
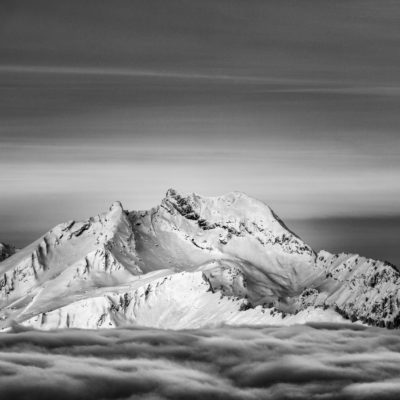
x=324 y=361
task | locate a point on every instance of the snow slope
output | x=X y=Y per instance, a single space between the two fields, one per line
x=192 y=261
x=178 y=301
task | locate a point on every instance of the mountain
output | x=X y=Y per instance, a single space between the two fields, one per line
x=190 y=262
x=6 y=250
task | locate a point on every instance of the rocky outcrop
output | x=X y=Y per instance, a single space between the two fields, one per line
x=190 y=209
x=6 y=250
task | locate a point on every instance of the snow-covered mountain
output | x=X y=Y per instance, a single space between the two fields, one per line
x=190 y=262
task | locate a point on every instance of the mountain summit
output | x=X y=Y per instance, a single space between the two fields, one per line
x=192 y=261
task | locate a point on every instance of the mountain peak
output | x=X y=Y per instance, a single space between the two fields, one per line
x=171 y=193
x=116 y=205
x=232 y=207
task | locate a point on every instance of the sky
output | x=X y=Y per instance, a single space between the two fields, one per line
x=294 y=102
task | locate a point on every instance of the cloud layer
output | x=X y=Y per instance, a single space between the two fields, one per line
x=298 y=362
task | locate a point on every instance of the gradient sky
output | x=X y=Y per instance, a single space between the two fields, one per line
x=296 y=103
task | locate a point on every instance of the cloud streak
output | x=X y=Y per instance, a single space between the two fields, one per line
x=302 y=362
x=124 y=72
x=276 y=84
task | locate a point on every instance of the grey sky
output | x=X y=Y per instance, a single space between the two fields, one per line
x=294 y=102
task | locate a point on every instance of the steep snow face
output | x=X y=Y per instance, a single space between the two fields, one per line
x=192 y=261
x=6 y=251
x=357 y=287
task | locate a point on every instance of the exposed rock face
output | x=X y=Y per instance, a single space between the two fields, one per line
x=192 y=261
x=6 y=251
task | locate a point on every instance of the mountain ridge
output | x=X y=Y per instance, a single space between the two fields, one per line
x=233 y=252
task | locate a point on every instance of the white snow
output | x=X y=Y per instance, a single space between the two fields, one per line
x=190 y=262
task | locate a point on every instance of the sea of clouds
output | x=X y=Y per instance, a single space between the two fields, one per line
x=317 y=361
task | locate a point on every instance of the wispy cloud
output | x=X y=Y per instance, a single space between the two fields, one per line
x=130 y=72
x=276 y=84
